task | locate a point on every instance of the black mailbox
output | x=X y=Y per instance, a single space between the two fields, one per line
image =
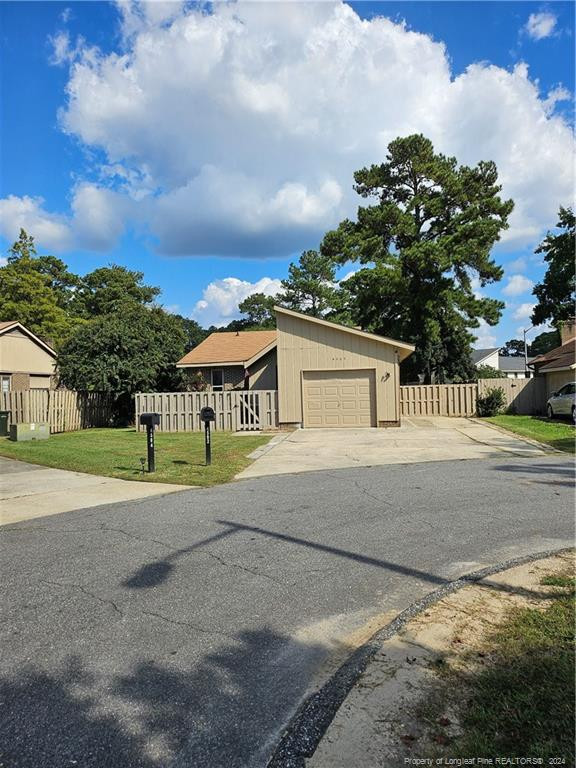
x=207 y=414
x=150 y=419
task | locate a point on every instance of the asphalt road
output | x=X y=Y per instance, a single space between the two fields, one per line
x=183 y=631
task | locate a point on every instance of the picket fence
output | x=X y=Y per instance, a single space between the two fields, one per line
x=63 y=409
x=236 y=410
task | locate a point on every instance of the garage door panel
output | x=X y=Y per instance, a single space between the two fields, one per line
x=339 y=398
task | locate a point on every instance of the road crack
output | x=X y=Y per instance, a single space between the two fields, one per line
x=188 y=624
x=85 y=591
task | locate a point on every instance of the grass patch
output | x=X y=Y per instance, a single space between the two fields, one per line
x=558 y=434
x=116 y=453
x=522 y=702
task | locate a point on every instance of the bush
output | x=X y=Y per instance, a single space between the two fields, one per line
x=493 y=402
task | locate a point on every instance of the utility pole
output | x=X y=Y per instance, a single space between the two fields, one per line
x=526 y=371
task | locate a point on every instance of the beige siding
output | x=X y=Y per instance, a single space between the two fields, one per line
x=263 y=372
x=19 y=354
x=556 y=379
x=307 y=346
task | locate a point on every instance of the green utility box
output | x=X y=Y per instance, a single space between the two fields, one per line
x=34 y=431
x=4 y=418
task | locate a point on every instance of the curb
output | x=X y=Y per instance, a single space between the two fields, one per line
x=311 y=720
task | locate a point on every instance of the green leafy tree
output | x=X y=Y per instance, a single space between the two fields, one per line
x=487 y=372
x=258 y=309
x=112 y=289
x=193 y=331
x=430 y=230
x=132 y=351
x=36 y=291
x=310 y=286
x=556 y=293
x=544 y=342
x=512 y=348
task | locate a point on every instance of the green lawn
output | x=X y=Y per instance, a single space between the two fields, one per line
x=522 y=703
x=116 y=453
x=558 y=434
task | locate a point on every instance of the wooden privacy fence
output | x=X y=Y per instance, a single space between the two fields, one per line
x=525 y=396
x=64 y=410
x=236 y=410
x=438 y=399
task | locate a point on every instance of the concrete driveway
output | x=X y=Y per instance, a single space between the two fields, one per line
x=28 y=491
x=418 y=439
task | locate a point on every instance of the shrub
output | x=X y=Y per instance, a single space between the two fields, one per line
x=492 y=402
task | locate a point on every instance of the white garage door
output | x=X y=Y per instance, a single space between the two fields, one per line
x=339 y=399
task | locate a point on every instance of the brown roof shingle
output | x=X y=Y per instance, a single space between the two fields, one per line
x=560 y=357
x=228 y=347
x=7 y=324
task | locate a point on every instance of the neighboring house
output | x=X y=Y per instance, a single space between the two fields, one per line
x=559 y=365
x=237 y=360
x=511 y=367
x=26 y=362
x=514 y=367
x=486 y=357
x=327 y=375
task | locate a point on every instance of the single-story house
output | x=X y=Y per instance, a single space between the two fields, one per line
x=326 y=374
x=559 y=365
x=26 y=362
x=511 y=367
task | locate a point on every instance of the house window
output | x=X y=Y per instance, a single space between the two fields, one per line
x=217 y=379
x=5 y=383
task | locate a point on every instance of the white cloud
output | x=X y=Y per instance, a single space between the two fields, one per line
x=3 y=261
x=485 y=336
x=555 y=96
x=524 y=311
x=239 y=129
x=50 y=230
x=541 y=25
x=220 y=299
x=518 y=265
x=98 y=218
x=516 y=285
x=476 y=287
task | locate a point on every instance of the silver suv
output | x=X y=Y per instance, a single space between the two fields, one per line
x=561 y=403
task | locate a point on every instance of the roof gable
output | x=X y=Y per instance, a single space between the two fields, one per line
x=229 y=348
x=10 y=325
x=478 y=355
x=404 y=349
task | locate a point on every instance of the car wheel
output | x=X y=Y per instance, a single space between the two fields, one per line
x=550 y=412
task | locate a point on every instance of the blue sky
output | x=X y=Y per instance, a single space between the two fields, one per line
x=207 y=149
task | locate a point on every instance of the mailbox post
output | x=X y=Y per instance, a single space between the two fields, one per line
x=207 y=415
x=150 y=421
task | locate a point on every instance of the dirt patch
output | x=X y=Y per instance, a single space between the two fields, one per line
x=397 y=713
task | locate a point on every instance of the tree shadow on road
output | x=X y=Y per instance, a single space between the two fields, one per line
x=549 y=474
x=221 y=713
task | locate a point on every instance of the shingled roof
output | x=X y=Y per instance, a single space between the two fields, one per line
x=235 y=348
x=559 y=359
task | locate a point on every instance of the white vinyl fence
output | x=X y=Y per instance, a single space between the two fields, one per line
x=236 y=410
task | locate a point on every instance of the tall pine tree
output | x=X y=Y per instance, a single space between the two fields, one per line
x=429 y=230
